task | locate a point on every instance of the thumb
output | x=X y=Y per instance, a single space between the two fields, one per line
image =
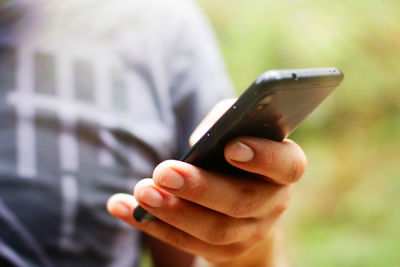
x=216 y=112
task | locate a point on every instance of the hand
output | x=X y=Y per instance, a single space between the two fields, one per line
x=217 y=216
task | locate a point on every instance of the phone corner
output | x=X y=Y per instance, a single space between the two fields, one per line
x=268 y=76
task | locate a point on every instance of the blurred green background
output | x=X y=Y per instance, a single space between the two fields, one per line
x=345 y=211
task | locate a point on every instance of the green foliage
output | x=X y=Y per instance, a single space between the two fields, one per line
x=345 y=210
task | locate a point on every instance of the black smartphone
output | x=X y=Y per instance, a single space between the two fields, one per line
x=272 y=107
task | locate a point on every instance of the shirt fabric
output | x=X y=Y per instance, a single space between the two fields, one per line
x=93 y=94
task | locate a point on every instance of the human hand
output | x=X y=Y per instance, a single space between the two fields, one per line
x=214 y=215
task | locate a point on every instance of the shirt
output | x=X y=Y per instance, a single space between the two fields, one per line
x=93 y=94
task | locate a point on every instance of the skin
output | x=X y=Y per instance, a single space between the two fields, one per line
x=227 y=220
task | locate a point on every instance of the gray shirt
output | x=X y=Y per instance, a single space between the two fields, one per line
x=93 y=94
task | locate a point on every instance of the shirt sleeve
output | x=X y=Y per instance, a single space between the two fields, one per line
x=199 y=78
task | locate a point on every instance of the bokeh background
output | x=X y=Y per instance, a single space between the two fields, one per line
x=346 y=209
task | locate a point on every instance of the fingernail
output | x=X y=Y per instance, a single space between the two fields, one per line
x=171 y=179
x=240 y=152
x=120 y=210
x=151 y=197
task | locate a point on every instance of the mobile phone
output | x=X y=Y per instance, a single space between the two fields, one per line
x=272 y=107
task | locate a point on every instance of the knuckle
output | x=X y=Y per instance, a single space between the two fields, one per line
x=259 y=234
x=279 y=209
x=284 y=199
x=245 y=203
x=297 y=169
x=258 y=237
x=272 y=156
x=220 y=233
x=262 y=226
x=198 y=188
x=177 y=239
x=174 y=204
x=227 y=253
x=269 y=155
x=234 y=251
x=217 y=237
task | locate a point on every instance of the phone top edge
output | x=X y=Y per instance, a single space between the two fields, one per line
x=299 y=74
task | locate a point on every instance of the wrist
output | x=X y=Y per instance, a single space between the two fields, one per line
x=267 y=253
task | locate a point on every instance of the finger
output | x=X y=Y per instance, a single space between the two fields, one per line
x=234 y=196
x=282 y=162
x=171 y=235
x=217 y=229
x=216 y=112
